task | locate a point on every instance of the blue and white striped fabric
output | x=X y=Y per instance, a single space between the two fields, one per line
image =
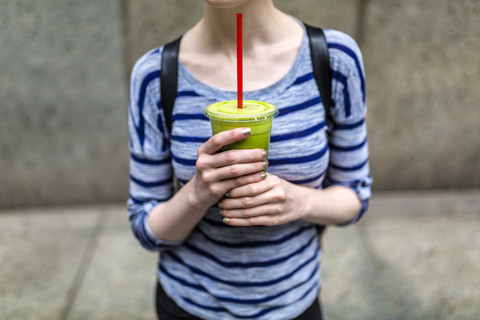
x=224 y=272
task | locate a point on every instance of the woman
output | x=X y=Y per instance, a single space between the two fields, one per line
x=237 y=243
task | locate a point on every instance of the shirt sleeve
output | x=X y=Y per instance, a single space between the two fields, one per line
x=150 y=164
x=349 y=156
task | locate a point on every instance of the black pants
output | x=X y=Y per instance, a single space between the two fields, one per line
x=167 y=309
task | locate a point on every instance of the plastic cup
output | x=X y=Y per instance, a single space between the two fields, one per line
x=256 y=115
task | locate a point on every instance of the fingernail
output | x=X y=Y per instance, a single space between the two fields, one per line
x=227 y=194
x=221 y=212
x=226 y=220
x=265 y=154
x=246 y=132
x=263 y=175
x=220 y=205
x=265 y=163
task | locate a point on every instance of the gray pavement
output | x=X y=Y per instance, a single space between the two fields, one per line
x=415 y=255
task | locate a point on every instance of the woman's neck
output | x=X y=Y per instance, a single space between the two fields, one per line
x=271 y=40
x=262 y=22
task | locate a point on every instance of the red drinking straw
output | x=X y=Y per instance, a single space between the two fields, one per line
x=239 y=62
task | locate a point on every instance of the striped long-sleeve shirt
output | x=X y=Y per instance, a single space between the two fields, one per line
x=224 y=272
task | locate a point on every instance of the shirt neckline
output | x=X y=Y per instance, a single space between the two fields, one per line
x=276 y=88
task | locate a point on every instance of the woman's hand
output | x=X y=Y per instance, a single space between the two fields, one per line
x=218 y=172
x=270 y=202
x=275 y=201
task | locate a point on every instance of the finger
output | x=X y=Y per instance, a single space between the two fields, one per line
x=222 y=187
x=221 y=139
x=226 y=185
x=270 y=209
x=245 y=202
x=239 y=156
x=234 y=171
x=262 y=220
x=251 y=190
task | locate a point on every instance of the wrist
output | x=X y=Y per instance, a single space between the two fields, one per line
x=312 y=204
x=318 y=207
x=194 y=200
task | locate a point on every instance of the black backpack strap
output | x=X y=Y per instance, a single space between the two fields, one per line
x=323 y=76
x=168 y=80
x=321 y=69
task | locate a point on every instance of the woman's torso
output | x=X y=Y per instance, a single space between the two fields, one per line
x=261 y=272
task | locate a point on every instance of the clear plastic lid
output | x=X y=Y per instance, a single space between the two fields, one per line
x=252 y=110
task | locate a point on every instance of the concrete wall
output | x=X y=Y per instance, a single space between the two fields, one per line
x=64 y=68
x=423 y=71
x=62 y=103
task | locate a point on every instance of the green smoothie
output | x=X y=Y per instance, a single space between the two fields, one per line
x=256 y=115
